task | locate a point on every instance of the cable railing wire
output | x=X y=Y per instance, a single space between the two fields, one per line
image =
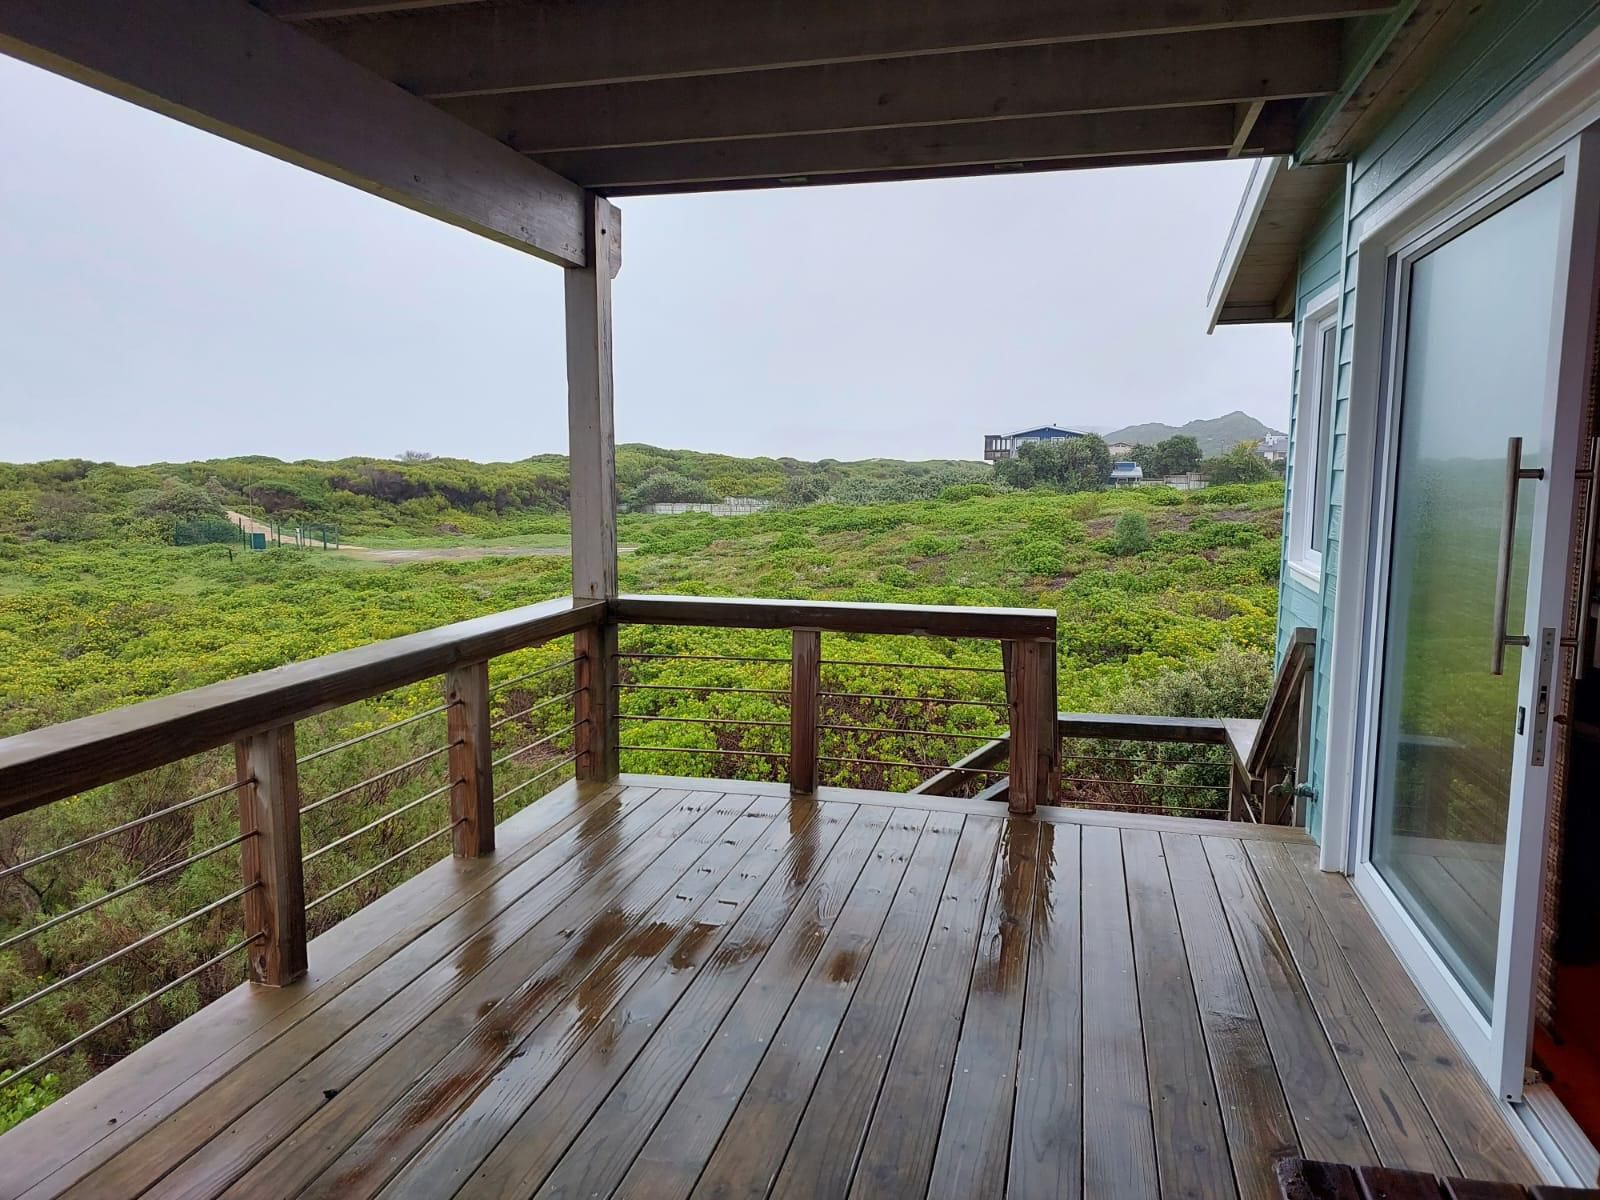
x=532 y=779
x=909 y=699
x=346 y=838
x=909 y=666
x=128 y=1011
x=389 y=728
x=17 y=1006
x=96 y=838
x=90 y=905
x=533 y=708
x=388 y=862
x=537 y=742
x=705 y=750
x=935 y=733
x=378 y=778
x=920 y=766
x=700 y=720
x=535 y=673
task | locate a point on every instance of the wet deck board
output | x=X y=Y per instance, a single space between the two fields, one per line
x=664 y=991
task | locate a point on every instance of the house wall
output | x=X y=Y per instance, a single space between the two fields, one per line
x=1499 y=54
x=1299 y=605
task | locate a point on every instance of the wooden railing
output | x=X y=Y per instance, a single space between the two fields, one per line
x=1171 y=766
x=345 y=770
x=830 y=729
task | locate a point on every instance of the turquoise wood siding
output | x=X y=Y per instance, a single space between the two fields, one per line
x=1498 y=55
x=1319 y=270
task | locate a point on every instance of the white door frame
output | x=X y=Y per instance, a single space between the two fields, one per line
x=1497 y=1046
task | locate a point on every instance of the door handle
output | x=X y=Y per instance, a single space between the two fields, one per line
x=1515 y=474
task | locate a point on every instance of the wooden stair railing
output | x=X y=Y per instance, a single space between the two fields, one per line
x=1303 y=1179
x=1281 y=748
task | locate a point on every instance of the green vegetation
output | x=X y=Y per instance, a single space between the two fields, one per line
x=421 y=496
x=1078 y=464
x=1166 y=600
x=1173 y=456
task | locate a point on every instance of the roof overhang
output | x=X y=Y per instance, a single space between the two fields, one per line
x=1255 y=280
x=494 y=114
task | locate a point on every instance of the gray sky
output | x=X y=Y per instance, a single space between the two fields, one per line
x=165 y=294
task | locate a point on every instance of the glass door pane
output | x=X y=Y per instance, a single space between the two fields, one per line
x=1477 y=335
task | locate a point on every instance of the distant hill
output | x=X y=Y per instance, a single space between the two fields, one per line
x=1215 y=435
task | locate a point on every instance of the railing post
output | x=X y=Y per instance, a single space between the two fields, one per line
x=805 y=682
x=471 y=760
x=1032 y=703
x=595 y=705
x=269 y=814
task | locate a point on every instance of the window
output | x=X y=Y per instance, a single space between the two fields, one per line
x=1313 y=433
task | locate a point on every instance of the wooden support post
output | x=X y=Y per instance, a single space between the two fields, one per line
x=269 y=813
x=591 y=428
x=595 y=705
x=471 y=760
x=805 y=682
x=1032 y=701
x=1238 y=793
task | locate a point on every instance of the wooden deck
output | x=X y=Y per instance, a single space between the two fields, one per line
x=653 y=991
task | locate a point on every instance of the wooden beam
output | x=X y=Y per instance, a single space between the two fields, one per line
x=1245 y=117
x=1034 y=740
x=498 y=48
x=923 y=620
x=1057 y=140
x=471 y=759
x=58 y=760
x=269 y=814
x=225 y=67
x=591 y=428
x=805 y=684
x=595 y=707
x=1131 y=73
x=1397 y=62
x=903 y=174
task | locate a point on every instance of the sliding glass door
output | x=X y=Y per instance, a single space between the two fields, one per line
x=1472 y=527
x=1476 y=361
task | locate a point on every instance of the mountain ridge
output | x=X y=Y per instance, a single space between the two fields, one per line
x=1216 y=435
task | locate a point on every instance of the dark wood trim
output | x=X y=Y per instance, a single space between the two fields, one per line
x=805 y=682
x=234 y=71
x=1060 y=139
x=921 y=620
x=1221 y=68
x=495 y=48
x=947 y=781
x=595 y=708
x=270 y=856
x=1034 y=740
x=60 y=760
x=1205 y=730
x=471 y=759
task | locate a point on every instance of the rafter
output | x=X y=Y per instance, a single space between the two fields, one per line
x=1086 y=138
x=1176 y=70
x=459 y=50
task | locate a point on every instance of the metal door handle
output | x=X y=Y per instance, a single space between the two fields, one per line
x=1515 y=474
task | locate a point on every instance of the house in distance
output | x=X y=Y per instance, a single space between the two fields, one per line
x=997 y=446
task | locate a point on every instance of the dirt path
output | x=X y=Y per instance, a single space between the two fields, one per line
x=421 y=553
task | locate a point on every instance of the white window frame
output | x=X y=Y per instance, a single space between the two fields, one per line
x=1315 y=397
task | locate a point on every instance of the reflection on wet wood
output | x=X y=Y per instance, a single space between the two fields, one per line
x=669 y=992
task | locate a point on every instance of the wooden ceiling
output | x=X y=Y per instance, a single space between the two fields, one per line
x=641 y=96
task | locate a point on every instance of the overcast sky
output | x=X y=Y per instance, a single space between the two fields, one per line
x=166 y=295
